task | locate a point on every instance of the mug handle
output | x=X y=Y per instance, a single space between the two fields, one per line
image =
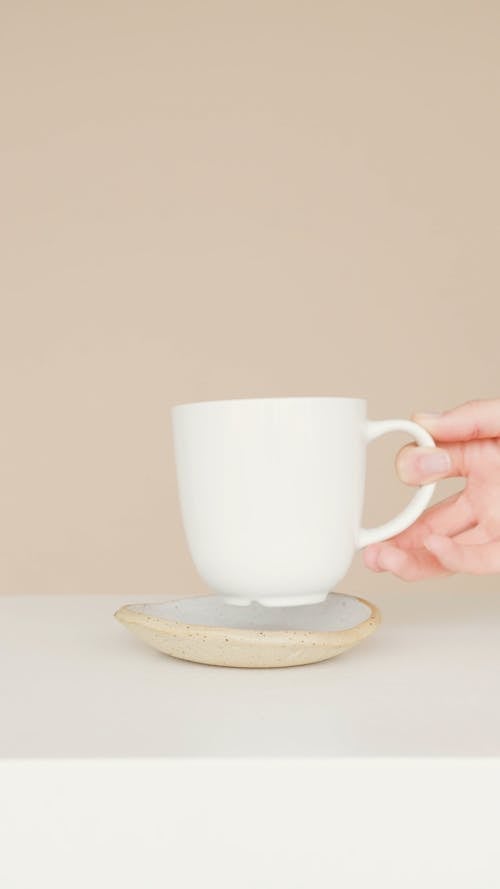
x=416 y=506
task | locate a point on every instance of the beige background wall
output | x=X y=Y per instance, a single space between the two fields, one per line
x=208 y=200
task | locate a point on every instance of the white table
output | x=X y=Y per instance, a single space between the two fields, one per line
x=75 y=683
x=121 y=767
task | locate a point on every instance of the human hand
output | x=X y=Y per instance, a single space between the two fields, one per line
x=461 y=533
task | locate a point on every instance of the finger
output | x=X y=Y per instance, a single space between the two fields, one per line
x=474 y=535
x=370 y=556
x=418 y=466
x=483 y=558
x=409 y=565
x=475 y=419
x=377 y=557
x=448 y=517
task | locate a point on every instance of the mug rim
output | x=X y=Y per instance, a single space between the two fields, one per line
x=266 y=398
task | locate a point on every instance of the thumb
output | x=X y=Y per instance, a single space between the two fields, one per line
x=418 y=466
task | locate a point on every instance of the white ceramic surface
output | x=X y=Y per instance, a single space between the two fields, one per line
x=271 y=493
x=208 y=630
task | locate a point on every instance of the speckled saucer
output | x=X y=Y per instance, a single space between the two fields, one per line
x=207 y=630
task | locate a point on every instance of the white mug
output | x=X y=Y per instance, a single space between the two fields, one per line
x=272 y=489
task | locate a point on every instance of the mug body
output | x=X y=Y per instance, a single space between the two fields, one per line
x=271 y=494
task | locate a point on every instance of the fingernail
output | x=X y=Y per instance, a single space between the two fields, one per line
x=434 y=463
x=391 y=558
x=371 y=556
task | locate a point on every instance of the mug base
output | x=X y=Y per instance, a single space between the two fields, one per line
x=278 y=601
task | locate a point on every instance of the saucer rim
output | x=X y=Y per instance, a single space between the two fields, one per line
x=130 y=616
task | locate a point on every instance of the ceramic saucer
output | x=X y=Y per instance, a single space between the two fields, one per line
x=208 y=630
